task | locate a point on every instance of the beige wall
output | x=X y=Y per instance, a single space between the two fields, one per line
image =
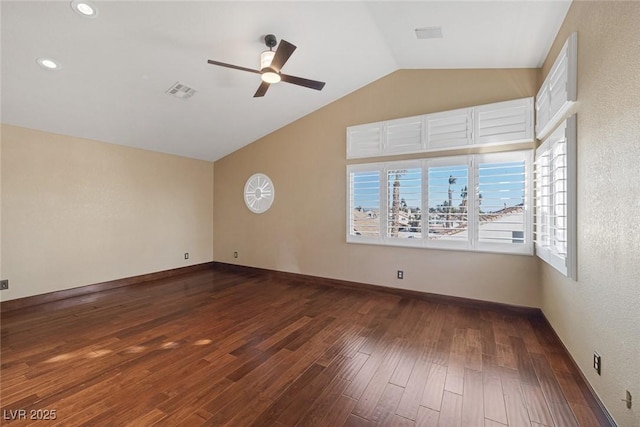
x=601 y=311
x=1 y=276
x=304 y=231
x=77 y=212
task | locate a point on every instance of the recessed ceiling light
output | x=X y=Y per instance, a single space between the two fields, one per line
x=48 y=63
x=429 y=33
x=84 y=8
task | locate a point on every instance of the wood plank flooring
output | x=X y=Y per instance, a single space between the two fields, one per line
x=242 y=349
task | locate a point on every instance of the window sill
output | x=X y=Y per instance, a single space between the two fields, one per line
x=419 y=244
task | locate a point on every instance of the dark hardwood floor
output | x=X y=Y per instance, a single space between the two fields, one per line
x=229 y=348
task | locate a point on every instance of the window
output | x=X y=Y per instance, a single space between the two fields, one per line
x=502 y=215
x=558 y=92
x=364 y=200
x=404 y=202
x=500 y=123
x=555 y=199
x=448 y=185
x=470 y=202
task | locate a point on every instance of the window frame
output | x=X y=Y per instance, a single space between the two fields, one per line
x=366 y=167
x=464 y=245
x=388 y=166
x=506 y=157
x=471 y=243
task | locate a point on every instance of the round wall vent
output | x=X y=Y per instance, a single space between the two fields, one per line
x=258 y=193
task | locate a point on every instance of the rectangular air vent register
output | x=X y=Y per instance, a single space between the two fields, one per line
x=180 y=90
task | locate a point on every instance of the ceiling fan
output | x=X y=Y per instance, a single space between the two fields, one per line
x=270 y=64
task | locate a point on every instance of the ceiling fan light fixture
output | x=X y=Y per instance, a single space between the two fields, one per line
x=268 y=74
x=265 y=59
x=270 y=77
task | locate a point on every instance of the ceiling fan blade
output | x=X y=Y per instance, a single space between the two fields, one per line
x=312 y=84
x=235 y=67
x=262 y=89
x=283 y=52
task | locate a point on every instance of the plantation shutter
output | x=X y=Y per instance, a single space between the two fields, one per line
x=364 y=140
x=559 y=90
x=449 y=129
x=404 y=201
x=554 y=234
x=509 y=121
x=448 y=202
x=363 y=203
x=404 y=136
x=503 y=217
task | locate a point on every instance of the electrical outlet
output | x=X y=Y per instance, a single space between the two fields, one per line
x=597 y=362
x=235 y=254
x=4 y=284
x=186 y=255
x=400 y=274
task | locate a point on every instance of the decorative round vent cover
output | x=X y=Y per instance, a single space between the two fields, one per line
x=258 y=193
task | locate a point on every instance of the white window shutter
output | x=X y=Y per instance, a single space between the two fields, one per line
x=475 y=202
x=364 y=196
x=559 y=90
x=504 y=216
x=365 y=140
x=555 y=196
x=404 y=136
x=542 y=108
x=449 y=129
x=404 y=202
x=510 y=121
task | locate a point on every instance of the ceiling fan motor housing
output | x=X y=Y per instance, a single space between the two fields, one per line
x=270 y=40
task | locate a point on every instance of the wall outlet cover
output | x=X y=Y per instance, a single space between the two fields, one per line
x=597 y=362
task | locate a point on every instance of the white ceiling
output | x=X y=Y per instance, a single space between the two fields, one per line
x=117 y=67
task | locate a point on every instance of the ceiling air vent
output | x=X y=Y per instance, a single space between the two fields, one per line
x=429 y=33
x=182 y=91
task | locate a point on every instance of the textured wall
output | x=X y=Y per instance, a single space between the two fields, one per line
x=304 y=231
x=601 y=311
x=77 y=212
x=1 y=276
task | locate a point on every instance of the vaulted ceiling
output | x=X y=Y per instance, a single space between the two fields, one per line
x=115 y=68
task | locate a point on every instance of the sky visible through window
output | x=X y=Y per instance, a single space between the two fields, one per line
x=439 y=177
x=366 y=190
x=501 y=185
